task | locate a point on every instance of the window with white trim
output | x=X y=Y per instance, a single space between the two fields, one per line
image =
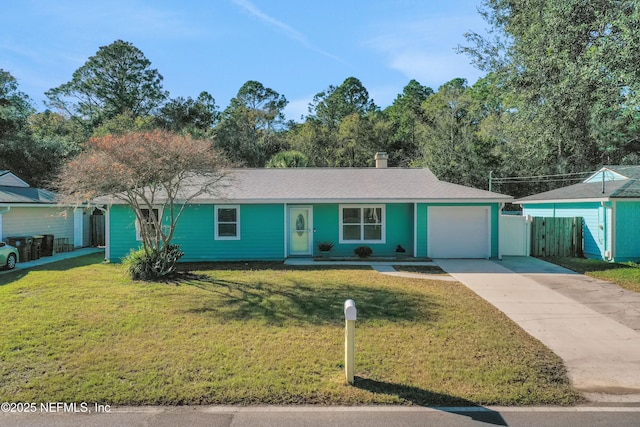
x=227 y=222
x=362 y=224
x=148 y=221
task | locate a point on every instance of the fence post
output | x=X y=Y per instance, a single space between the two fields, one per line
x=350 y=314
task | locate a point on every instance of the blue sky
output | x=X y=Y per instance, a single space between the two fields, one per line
x=297 y=48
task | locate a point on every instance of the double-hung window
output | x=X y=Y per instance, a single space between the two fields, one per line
x=227 y=222
x=148 y=221
x=362 y=224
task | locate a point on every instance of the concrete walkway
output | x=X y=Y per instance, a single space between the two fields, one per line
x=601 y=354
x=56 y=257
x=384 y=267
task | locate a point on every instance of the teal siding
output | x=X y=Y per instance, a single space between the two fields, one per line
x=261 y=234
x=398 y=222
x=423 y=221
x=627 y=239
x=596 y=225
x=326 y=222
x=122 y=231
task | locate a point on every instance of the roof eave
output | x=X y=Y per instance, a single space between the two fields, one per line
x=40 y=205
x=341 y=200
x=542 y=201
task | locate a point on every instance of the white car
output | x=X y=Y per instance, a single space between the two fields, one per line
x=8 y=256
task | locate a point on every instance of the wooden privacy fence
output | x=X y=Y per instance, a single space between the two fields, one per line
x=556 y=237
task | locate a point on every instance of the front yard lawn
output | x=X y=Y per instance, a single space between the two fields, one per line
x=625 y=275
x=242 y=333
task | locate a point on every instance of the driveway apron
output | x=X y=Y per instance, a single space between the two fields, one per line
x=600 y=353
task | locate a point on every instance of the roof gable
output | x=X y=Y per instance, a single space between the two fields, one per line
x=615 y=173
x=9 y=179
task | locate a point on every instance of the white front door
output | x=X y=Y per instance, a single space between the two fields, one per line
x=77 y=228
x=300 y=230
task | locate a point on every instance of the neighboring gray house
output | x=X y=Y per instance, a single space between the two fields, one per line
x=28 y=211
x=609 y=203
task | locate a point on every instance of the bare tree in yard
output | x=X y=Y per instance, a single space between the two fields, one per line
x=157 y=174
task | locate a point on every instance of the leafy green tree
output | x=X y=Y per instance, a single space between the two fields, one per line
x=49 y=124
x=342 y=128
x=15 y=106
x=570 y=77
x=354 y=142
x=54 y=139
x=333 y=105
x=451 y=146
x=118 y=79
x=196 y=116
x=405 y=116
x=124 y=123
x=288 y=159
x=29 y=154
x=249 y=129
x=313 y=140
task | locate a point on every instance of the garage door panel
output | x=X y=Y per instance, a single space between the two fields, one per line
x=458 y=232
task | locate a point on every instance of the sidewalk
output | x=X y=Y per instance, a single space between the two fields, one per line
x=56 y=257
x=601 y=354
x=337 y=416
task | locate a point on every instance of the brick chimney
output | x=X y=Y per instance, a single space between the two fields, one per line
x=381 y=160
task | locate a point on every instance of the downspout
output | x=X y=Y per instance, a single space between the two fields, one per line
x=415 y=230
x=2 y=212
x=608 y=232
x=613 y=230
x=501 y=206
x=286 y=233
x=107 y=231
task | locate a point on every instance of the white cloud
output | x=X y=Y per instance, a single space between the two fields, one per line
x=425 y=50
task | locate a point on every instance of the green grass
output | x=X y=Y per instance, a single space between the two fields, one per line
x=261 y=334
x=626 y=275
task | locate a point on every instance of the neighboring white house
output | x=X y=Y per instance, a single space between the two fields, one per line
x=29 y=211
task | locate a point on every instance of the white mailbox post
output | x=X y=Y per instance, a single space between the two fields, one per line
x=350 y=314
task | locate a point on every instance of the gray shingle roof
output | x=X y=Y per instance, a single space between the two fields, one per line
x=307 y=185
x=630 y=171
x=592 y=190
x=26 y=195
x=618 y=189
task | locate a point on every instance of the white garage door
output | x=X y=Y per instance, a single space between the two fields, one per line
x=459 y=232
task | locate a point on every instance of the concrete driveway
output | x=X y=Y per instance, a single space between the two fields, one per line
x=590 y=324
